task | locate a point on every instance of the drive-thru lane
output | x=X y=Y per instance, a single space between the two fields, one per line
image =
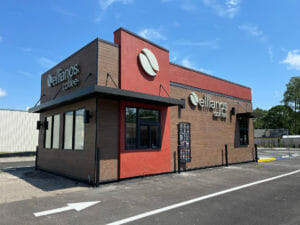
x=273 y=202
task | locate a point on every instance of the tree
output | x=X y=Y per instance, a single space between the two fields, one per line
x=259 y=122
x=279 y=116
x=291 y=98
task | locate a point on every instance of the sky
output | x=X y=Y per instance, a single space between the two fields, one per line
x=251 y=42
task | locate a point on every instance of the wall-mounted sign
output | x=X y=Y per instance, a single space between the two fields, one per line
x=219 y=108
x=149 y=62
x=62 y=75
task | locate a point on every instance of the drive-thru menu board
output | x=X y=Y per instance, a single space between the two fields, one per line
x=184 y=142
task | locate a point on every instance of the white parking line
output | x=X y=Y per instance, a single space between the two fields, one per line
x=174 y=206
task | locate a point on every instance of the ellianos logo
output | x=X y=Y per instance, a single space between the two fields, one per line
x=148 y=62
x=220 y=108
x=64 y=75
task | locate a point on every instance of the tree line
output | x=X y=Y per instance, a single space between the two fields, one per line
x=286 y=115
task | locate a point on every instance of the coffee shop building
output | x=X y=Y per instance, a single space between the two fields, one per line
x=112 y=111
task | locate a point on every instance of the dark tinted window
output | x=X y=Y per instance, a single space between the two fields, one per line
x=142 y=131
x=244 y=138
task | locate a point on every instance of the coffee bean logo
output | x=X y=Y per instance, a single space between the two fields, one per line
x=194 y=98
x=149 y=62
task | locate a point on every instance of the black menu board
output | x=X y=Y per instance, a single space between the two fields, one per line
x=184 y=142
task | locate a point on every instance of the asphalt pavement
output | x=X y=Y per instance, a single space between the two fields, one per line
x=15 y=165
x=252 y=193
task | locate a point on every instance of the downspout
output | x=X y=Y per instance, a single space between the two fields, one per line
x=97 y=150
x=120 y=112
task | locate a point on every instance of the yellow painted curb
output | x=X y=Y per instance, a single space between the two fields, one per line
x=267 y=160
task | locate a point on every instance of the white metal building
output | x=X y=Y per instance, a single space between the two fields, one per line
x=18 y=131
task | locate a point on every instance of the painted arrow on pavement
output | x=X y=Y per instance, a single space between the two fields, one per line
x=76 y=206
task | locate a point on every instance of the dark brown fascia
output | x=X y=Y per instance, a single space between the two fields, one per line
x=108 y=92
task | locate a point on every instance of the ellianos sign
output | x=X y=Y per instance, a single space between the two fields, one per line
x=220 y=108
x=64 y=75
x=148 y=62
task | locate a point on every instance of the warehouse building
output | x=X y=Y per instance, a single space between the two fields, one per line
x=17 y=131
x=119 y=110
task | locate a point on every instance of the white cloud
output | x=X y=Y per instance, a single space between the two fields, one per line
x=45 y=62
x=254 y=31
x=187 y=63
x=176 y=24
x=228 y=8
x=188 y=5
x=270 y=53
x=251 y=29
x=293 y=59
x=209 y=43
x=26 y=49
x=24 y=73
x=152 y=34
x=64 y=12
x=27 y=108
x=104 y=4
x=205 y=71
x=2 y=93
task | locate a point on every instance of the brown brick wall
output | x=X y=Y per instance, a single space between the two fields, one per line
x=209 y=135
x=76 y=164
x=108 y=139
x=86 y=58
x=108 y=58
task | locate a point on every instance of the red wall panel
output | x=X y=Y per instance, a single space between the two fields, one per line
x=203 y=81
x=133 y=76
x=145 y=161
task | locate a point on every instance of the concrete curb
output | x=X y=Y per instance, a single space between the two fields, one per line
x=274 y=159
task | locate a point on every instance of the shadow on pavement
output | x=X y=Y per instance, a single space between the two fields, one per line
x=43 y=180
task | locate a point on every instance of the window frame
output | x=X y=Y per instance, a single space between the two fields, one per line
x=140 y=123
x=52 y=131
x=46 y=130
x=73 y=130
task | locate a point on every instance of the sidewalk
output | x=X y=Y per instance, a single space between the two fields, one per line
x=17 y=159
x=16 y=154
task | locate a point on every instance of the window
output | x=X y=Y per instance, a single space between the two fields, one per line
x=142 y=128
x=74 y=130
x=79 y=129
x=130 y=128
x=244 y=124
x=55 y=132
x=52 y=133
x=48 y=132
x=68 y=130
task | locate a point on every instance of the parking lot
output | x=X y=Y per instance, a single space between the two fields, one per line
x=252 y=193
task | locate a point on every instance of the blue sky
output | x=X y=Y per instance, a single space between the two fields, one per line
x=251 y=42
